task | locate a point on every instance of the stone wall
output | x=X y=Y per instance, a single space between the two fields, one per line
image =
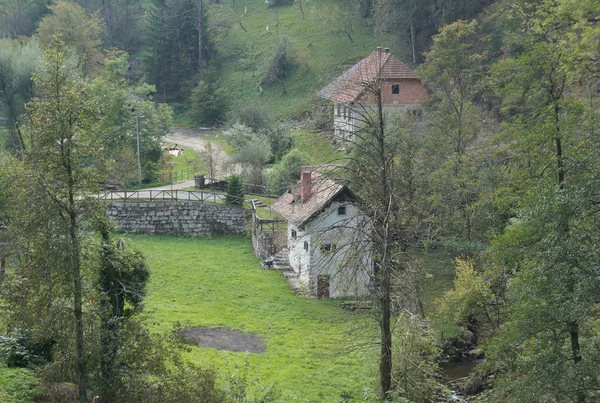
x=177 y=218
x=267 y=239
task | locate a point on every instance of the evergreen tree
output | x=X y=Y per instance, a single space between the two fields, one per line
x=235 y=191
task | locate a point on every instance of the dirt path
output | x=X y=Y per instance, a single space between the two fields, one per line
x=192 y=138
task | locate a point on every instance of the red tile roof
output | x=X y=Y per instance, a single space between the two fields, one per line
x=298 y=212
x=349 y=86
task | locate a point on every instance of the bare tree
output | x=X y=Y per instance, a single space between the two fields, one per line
x=379 y=168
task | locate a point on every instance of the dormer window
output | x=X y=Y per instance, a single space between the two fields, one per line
x=342 y=210
x=395 y=88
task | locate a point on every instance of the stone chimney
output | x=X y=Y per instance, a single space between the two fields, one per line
x=378 y=50
x=305 y=183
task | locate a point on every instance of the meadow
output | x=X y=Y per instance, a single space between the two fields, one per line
x=311 y=353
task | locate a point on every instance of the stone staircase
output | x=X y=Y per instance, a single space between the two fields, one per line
x=281 y=260
x=257 y=203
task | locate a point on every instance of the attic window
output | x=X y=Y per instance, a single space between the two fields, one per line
x=342 y=210
x=395 y=88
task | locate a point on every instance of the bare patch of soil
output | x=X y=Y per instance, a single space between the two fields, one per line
x=223 y=338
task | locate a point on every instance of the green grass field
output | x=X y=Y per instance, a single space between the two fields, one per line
x=219 y=282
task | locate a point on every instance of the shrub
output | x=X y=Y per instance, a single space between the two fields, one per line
x=21 y=384
x=288 y=171
x=281 y=140
x=416 y=353
x=19 y=351
x=280 y=65
x=251 y=115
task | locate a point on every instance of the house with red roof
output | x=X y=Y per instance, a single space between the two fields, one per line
x=328 y=241
x=350 y=93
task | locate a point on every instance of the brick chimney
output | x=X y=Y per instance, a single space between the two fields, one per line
x=305 y=183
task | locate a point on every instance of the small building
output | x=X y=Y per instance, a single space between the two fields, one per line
x=401 y=90
x=328 y=242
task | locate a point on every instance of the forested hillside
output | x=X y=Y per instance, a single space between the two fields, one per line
x=276 y=54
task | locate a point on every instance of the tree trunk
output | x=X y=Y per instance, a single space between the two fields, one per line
x=108 y=17
x=385 y=359
x=77 y=283
x=77 y=309
x=200 y=30
x=412 y=41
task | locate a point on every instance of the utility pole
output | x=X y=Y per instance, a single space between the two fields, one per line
x=137 y=131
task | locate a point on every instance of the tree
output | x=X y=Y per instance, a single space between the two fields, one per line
x=252 y=151
x=77 y=30
x=123 y=278
x=452 y=72
x=288 y=171
x=209 y=103
x=235 y=191
x=375 y=172
x=280 y=65
x=62 y=164
x=17 y=63
x=179 y=45
x=19 y=18
x=548 y=344
x=126 y=110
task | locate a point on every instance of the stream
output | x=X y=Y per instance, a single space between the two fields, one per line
x=453 y=371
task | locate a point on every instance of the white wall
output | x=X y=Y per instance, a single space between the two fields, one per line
x=348 y=265
x=344 y=122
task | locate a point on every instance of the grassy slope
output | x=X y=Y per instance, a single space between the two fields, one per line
x=18 y=385
x=319 y=53
x=218 y=282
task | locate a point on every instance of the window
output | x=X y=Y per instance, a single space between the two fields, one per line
x=342 y=210
x=337 y=110
x=327 y=247
x=395 y=88
x=294 y=234
x=305 y=246
x=344 y=112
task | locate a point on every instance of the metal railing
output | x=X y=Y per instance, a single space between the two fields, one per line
x=164 y=195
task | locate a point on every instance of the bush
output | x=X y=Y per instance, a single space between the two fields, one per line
x=19 y=351
x=281 y=140
x=280 y=65
x=416 y=353
x=21 y=384
x=251 y=115
x=288 y=171
x=209 y=104
x=235 y=191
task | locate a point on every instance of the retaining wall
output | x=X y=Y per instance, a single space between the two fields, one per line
x=177 y=218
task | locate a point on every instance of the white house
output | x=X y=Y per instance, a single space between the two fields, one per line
x=401 y=90
x=328 y=241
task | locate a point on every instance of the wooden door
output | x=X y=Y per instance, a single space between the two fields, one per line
x=323 y=286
